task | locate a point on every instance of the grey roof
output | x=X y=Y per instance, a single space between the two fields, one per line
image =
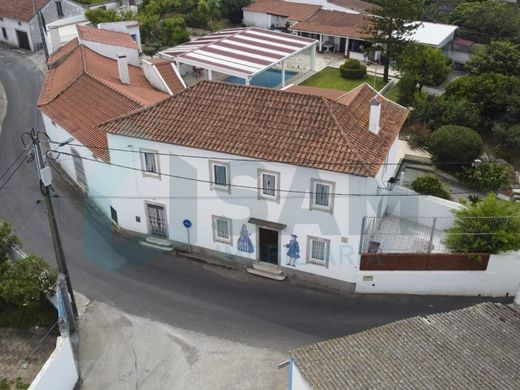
x=472 y=348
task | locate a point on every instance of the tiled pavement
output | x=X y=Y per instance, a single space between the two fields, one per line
x=15 y=347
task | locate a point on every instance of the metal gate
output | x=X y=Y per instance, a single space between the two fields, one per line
x=157 y=220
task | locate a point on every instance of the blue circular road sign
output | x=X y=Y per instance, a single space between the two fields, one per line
x=186 y=223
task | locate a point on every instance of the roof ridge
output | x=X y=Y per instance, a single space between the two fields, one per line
x=381 y=95
x=327 y=103
x=110 y=85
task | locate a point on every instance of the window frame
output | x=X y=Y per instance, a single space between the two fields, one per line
x=216 y=238
x=146 y=173
x=261 y=195
x=313 y=205
x=213 y=185
x=59 y=9
x=4 y=33
x=310 y=259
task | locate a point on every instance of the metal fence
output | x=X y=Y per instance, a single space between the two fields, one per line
x=390 y=234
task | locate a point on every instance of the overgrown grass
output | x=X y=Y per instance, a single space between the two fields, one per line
x=44 y=315
x=331 y=78
x=8 y=384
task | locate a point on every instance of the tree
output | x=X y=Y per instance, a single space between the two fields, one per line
x=427 y=65
x=482 y=21
x=454 y=144
x=7 y=240
x=430 y=185
x=390 y=27
x=214 y=13
x=476 y=231
x=173 y=31
x=406 y=88
x=26 y=282
x=488 y=176
x=508 y=135
x=435 y=111
x=496 y=96
x=498 y=57
x=232 y=9
x=99 y=15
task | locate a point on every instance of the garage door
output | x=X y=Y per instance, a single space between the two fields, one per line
x=23 y=40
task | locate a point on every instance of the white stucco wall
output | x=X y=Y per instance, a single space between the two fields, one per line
x=98 y=175
x=112 y=51
x=296 y=379
x=501 y=278
x=258 y=19
x=59 y=371
x=184 y=199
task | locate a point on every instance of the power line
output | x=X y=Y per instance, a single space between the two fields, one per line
x=12 y=175
x=335 y=194
x=348 y=163
x=13 y=162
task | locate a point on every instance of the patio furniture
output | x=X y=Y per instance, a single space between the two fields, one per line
x=328 y=46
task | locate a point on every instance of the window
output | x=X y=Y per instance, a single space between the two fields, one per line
x=268 y=185
x=322 y=195
x=4 y=33
x=81 y=178
x=150 y=163
x=219 y=175
x=318 y=251
x=134 y=37
x=59 y=8
x=113 y=215
x=222 y=230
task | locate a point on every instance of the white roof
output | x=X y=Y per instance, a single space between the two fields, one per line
x=242 y=52
x=433 y=34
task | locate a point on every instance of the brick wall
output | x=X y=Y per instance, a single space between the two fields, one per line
x=424 y=262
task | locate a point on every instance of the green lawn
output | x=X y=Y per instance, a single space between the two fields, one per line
x=331 y=78
x=392 y=93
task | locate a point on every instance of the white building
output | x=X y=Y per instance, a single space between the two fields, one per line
x=19 y=22
x=277 y=13
x=83 y=89
x=250 y=167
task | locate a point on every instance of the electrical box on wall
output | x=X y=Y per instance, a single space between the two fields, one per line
x=344 y=240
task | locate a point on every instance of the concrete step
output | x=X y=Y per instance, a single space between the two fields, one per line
x=269 y=268
x=158 y=243
x=264 y=274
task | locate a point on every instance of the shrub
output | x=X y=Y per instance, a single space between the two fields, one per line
x=406 y=89
x=508 y=136
x=475 y=232
x=25 y=282
x=7 y=240
x=489 y=176
x=430 y=185
x=353 y=69
x=450 y=144
x=418 y=134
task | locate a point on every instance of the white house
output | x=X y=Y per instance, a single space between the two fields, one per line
x=19 y=21
x=250 y=167
x=277 y=13
x=84 y=88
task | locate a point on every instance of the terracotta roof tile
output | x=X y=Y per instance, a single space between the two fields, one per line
x=63 y=52
x=93 y=34
x=267 y=124
x=355 y=5
x=473 y=348
x=22 y=10
x=336 y=23
x=292 y=11
x=328 y=93
x=170 y=76
x=84 y=90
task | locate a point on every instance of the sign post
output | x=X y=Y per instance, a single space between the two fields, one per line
x=187 y=225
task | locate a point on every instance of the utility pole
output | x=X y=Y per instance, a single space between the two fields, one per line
x=45 y=176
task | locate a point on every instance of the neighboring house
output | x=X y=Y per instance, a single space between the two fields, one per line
x=460 y=51
x=250 y=167
x=109 y=43
x=473 y=348
x=20 y=24
x=350 y=6
x=130 y=27
x=336 y=32
x=61 y=31
x=81 y=90
x=277 y=13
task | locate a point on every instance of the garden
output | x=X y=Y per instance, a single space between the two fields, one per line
x=333 y=78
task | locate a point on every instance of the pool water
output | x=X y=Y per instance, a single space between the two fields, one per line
x=270 y=78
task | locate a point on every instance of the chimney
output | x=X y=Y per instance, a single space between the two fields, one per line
x=122 y=64
x=375 y=115
x=54 y=33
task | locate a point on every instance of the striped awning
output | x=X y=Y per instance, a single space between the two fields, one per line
x=243 y=52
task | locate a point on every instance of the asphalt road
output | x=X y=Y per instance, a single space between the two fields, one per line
x=115 y=269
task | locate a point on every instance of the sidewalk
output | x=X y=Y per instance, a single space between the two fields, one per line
x=122 y=351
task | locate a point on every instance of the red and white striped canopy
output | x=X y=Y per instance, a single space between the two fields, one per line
x=242 y=52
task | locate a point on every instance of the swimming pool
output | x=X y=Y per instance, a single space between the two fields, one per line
x=270 y=78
